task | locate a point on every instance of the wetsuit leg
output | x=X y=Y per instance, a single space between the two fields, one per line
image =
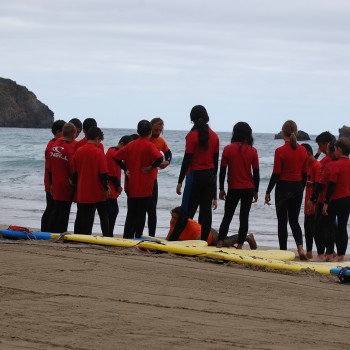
x=231 y=203
x=142 y=204
x=113 y=211
x=85 y=218
x=294 y=205
x=131 y=216
x=321 y=225
x=309 y=229
x=60 y=217
x=103 y=214
x=45 y=219
x=152 y=211
x=281 y=200
x=246 y=197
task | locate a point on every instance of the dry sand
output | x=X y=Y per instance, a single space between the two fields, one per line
x=76 y=296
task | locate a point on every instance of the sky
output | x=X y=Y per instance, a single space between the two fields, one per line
x=258 y=61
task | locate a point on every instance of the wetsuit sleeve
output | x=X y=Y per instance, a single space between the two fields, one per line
x=304 y=179
x=121 y=164
x=216 y=162
x=273 y=180
x=74 y=178
x=222 y=176
x=256 y=178
x=168 y=156
x=316 y=156
x=157 y=162
x=104 y=181
x=330 y=190
x=115 y=181
x=315 y=193
x=184 y=167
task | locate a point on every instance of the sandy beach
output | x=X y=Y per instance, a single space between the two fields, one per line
x=78 y=296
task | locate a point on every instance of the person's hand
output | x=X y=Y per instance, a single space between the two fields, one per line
x=310 y=207
x=309 y=183
x=178 y=189
x=255 y=197
x=214 y=204
x=147 y=169
x=222 y=195
x=127 y=174
x=267 y=199
x=119 y=190
x=164 y=164
x=325 y=209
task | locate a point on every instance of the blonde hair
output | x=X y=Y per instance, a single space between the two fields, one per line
x=290 y=129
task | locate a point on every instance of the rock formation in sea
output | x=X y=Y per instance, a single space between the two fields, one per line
x=20 y=108
x=344 y=131
x=301 y=136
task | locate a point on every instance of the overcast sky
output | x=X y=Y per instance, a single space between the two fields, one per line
x=259 y=61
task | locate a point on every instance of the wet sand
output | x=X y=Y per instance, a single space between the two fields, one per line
x=77 y=296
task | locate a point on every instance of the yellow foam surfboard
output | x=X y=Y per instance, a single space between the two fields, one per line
x=321 y=267
x=192 y=247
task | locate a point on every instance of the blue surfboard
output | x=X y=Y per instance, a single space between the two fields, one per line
x=26 y=235
x=336 y=270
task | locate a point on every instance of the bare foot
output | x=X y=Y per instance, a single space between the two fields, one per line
x=251 y=241
x=239 y=246
x=219 y=244
x=320 y=258
x=301 y=253
x=309 y=255
x=339 y=258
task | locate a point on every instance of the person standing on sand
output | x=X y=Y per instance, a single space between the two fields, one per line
x=60 y=174
x=200 y=164
x=138 y=159
x=90 y=175
x=316 y=201
x=114 y=178
x=56 y=130
x=289 y=175
x=243 y=178
x=313 y=171
x=337 y=201
x=160 y=143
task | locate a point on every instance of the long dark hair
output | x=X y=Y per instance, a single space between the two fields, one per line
x=199 y=117
x=242 y=132
x=181 y=222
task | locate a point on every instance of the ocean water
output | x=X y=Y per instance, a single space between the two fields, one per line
x=22 y=195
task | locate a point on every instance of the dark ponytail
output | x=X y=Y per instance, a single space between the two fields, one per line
x=199 y=117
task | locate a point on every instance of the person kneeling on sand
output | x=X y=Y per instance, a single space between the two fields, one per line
x=183 y=228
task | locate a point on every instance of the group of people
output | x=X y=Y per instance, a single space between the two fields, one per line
x=80 y=171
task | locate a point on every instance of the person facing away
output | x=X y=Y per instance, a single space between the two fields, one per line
x=200 y=166
x=87 y=124
x=90 y=175
x=289 y=176
x=313 y=171
x=60 y=173
x=243 y=178
x=139 y=159
x=182 y=228
x=114 y=178
x=160 y=143
x=325 y=142
x=78 y=125
x=337 y=201
x=56 y=130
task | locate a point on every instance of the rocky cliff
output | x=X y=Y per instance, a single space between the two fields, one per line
x=20 y=108
x=301 y=136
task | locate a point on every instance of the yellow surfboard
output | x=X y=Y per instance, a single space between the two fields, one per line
x=321 y=267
